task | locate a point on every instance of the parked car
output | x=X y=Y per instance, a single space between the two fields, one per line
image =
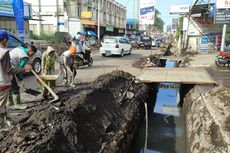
x=134 y=41
x=145 y=42
x=35 y=60
x=115 y=45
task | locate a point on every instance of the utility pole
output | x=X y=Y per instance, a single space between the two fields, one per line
x=98 y=19
x=57 y=15
x=223 y=37
x=39 y=27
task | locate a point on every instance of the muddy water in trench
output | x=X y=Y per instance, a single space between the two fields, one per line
x=166 y=131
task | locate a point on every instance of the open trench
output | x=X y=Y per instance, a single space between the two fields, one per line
x=184 y=118
x=166 y=125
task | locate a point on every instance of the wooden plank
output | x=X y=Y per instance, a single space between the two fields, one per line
x=178 y=75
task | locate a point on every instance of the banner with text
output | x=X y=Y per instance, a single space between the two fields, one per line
x=18 y=8
x=222 y=4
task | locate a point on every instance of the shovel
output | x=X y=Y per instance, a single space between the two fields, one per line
x=46 y=86
x=27 y=90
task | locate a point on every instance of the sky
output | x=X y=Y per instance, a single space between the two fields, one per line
x=162 y=5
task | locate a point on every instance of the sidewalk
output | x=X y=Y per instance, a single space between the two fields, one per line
x=207 y=60
x=203 y=60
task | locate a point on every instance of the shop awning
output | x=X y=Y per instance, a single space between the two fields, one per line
x=203 y=8
x=88 y=22
x=91 y=23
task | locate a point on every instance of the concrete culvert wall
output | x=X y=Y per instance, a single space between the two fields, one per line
x=88 y=121
x=207 y=120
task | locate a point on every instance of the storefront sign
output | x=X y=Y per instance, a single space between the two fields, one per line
x=147 y=12
x=120 y=30
x=222 y=4
x=86 y=15
x=6 y=9
x=222 y=17
x=109 y=28
x=179 y=9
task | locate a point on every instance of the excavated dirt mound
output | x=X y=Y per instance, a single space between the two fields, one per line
x=207 y=120
x=96 y=119
x=154 y=60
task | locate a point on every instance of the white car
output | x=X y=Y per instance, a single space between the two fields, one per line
x=115 y=45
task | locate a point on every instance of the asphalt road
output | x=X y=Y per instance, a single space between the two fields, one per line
x=100 y=66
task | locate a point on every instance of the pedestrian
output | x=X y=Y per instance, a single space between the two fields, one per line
x=67 y=66
x=19 y=58
x=49 y=58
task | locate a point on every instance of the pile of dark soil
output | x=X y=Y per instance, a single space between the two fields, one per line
x=99 y=118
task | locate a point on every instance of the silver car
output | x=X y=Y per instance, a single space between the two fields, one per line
x=35 y=60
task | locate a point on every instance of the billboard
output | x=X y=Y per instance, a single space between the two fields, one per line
x=179 y=9
x=147 y=12
x=222 y=4
x=174 y=24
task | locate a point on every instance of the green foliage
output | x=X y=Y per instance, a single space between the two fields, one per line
x=158 y=23
x=43 y=36
x=179 y=31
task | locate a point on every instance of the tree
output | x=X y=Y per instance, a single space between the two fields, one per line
x=158 y=22
x=179 y=31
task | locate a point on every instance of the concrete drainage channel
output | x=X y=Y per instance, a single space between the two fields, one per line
x=185 y=118
x=166 y=130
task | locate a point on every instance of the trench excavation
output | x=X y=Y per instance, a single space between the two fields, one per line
x=108 y=116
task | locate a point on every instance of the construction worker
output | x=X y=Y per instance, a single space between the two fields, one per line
x=67 y=66
x=19 y=58
x=6 y=71
x=49 y=58
x=5 y=67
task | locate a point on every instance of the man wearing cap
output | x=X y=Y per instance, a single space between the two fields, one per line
x=67 y=66
x=19 y=58
x=49 y=58
x=6 y=71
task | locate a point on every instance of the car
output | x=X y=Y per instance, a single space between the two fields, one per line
x=35 y=60
x=153 y=42
x=134 y=41
x=145 y=42
x=115 y=45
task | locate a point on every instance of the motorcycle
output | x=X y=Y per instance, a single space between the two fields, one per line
x=83 y=59
x=223 y=59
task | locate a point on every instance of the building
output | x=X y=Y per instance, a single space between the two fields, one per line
x=77 y=15
x=131 y=26
x=7 y=19
x=204 y=33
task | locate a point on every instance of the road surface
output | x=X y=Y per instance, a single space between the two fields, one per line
x=100 y=66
